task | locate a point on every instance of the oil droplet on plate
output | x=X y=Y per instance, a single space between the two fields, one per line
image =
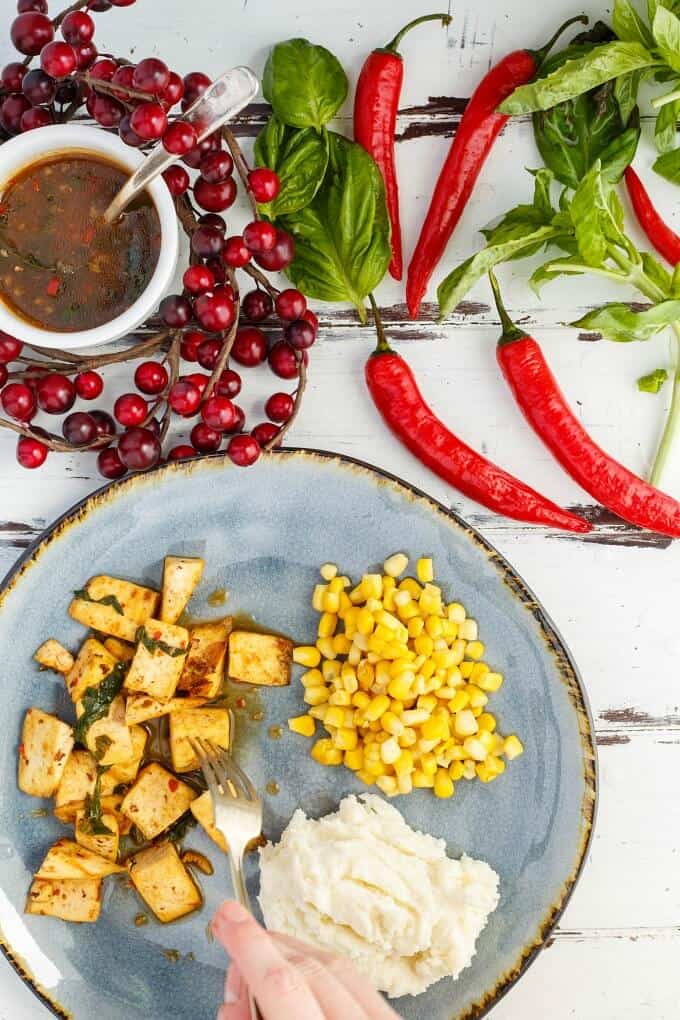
x=218 y=597
x=141 y=920
x=257 y=716
x=275 y=732
x=272 y=787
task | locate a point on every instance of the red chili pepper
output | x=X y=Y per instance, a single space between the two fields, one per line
x=173 y=785
x=478 y=129
x=396 y=395
x=665 y=240
x=545 y=407
x=375 y=120
x=53 y=286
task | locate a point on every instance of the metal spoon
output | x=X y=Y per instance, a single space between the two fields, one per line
x=226 y=97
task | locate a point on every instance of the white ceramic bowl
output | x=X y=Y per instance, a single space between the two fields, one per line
x=33 y=146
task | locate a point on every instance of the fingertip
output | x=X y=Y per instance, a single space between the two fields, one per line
x=229 y=913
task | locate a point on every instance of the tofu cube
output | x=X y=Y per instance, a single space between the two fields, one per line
x=109 y=739
x=53 y=655
x=140 y=708
x=103 y=844
x=46 y=743
x=163 y=882
x=77 y=783
x=123 y=651
x=260 y=658
x=209 y=723
x=203 y=673
x=156 y=800
x=159 y=660
x=137 y=603
x=202 y=810
x=93 y=664
x=67 y=859
x=125 y=772
x=78 y=900
x=181 y=575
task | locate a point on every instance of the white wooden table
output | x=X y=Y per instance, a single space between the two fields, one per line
x=614 y=595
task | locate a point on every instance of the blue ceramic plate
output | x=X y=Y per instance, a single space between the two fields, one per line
x=264 y=533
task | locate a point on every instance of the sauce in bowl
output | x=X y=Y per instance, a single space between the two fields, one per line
x=62 y=268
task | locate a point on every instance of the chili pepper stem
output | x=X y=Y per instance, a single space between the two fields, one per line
x=540 y=55
x=511 y=332
x=669 y=97
x=383 y=346
x=393 y=46
x=672 y=425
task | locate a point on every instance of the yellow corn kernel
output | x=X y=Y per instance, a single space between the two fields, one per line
x=415 y=717
x=410 y=585
x=354 y=760
x=327 y=624
x=331 y=601
x=404 y=763
x=365 y=777
x=307 y=655
x=468 y=630
x=375 y=644
x=346 y=739
x=475 y=749
x=341 y=644
x=381 y=737
x=377 y=707
x=387 y=620
x=428 y=764
x=365 y=675
x=426 y=746
x=456 y=751
x=497 y=745
x=434 y=729
x=422 y=780
x=325 y=647
x=356 y=596
x=486 y=722
x=375 y=768
x=401 y=598
x=477 y=711
x=450 y=630
x=458 y=650
x=317 y=597
x=388 y=785
x=423 y=644
x=446 y=693
x=430 y=601
x=479 y=670
x=396 y=564
x=335 y=585
x=400 y=686
x=341 y=698
x=477 y=697
x=470 y=769
x=443 y=785
x=456 y=769
x=484 y=773
x=335 y=716
x=390 y=751
x=428 y=702
x=425 y=569
x=474 y=650
x=455 y=612
x=328 y=571
x=513 y=747
x=391 y=723
x=324 y=753
x=349 y=616
x=433 y=626
x=312 y=678
x=466 y=669
x=495 y=765
x=365 y=621
x=408 y=612
x=490 y=682
x=465 y=724
x=349 y=679
x=345 y=605
x=316 y=695
x=302 y=724
x=372 y=585
x=460 y=700
x=354 y=656
x=454 y=677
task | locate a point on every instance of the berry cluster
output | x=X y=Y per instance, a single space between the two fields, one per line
x=210 y=323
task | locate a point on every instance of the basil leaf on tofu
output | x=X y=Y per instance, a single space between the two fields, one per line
x=153 y=644
x=92 y=823
x=96 y=701
x=106 y=600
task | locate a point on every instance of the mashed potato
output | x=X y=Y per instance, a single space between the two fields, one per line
x=360 y=882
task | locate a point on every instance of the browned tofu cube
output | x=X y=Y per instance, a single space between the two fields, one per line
x=163 y=882
x=78 y=782
x=260 y=658
x=52 y=655
x=66 y=859
x=202 y=810
x=181 y=575
x=126 y=608
x=123 y=651
x=209 y=723
x=109 y=738
x=78 y=900
x=125 y=772
x=93 y=664
x=140 y=708
x=46 y=743
x=203 y=673
x=156 y=800
x=104 y=844
x=159 y=660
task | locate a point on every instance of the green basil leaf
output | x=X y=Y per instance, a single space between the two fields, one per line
x=550 y=271
x=106 y=600
x=628 y=24
x=653 y=382
x=674 y=290
x=342 y=238
x=305 y=84
x=589 y=211
x=92 y=823
x=666 y=29
x=300 y=161
x=619 y=154
x=543 y=181
x=657 y=273
x=666 y=126
x=96 y=701
x=153 y=644
x=456 y=285
x=620 y=323
x=626 y=89
x=269 y=143
x=578 y=76
x=668 y=166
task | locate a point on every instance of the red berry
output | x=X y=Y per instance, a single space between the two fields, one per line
x=174 y=90
x=12 y=76
x=104 y=69
x=36 y=117
x=149 y=121
x=211 y=219
x=217 y=269
x=257 y=305
x=312 y=319
x=215 y=197
x=32 y=5
x=265 y=432
x=79 y=428
x=291 y=304
x=151 y=75
x=184 y=398
x=176 y=178
x=215 y=167
x=30 y=32
x=219 y=413
x=195 y=85
x=215 y=311
x=283 y=361
x=130 y=409
x=18 y=401
x=300 y=334
x=208 y=354
x=11 y=111
x=199 y=380
x=191 y=341
x=56 y=393
x=198 y=279
x=179 y=138
x=181 y=453
x=120 y=3
x=106 y=110
x=77 y=27
x=131 y=138
x=243 y=450
x=39 y=87
x=4 y=374
x=86 y=54
x=207 y=242
x=229 y=384
x=104 y=423
x=88 y=385
x=139 y=449
x=264 y=184
x=58 y=59
x=109 y=463
x=250 y=346
x=100 y=5
x=240 y=422
x=151 y=377
x=235 y=253
x=175 y=310
x=31 y=453
x=205 y=439
x=123 y=77
x=279 y=407
x=260 y=236
x=281 y=255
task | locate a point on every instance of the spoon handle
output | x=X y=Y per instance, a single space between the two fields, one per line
x=226 y=97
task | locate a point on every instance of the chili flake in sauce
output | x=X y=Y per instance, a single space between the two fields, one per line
x=61 y=267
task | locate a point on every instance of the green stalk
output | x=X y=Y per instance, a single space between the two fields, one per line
x=393 y=46
x=669 y=97
x=672 y=425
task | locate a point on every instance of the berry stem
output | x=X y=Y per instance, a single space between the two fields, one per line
x=51 y=441
x=77 y=6
x=173 y=365
x=223 y=359
x=260 y=278
x=299 y=393
x=241 y=166
x=99 y=85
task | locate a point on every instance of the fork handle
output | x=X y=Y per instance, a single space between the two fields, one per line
x=241 y=892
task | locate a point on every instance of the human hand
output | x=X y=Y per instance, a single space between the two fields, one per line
x=290 y=981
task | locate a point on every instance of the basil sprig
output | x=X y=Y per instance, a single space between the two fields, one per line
x=92 y=823
x=96 y=701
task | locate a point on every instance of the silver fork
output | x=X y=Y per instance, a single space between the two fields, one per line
x=238 y=815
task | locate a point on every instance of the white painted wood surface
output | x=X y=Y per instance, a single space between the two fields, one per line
x=614 y=596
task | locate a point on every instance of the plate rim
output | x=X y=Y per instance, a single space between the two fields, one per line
x=556 y=645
